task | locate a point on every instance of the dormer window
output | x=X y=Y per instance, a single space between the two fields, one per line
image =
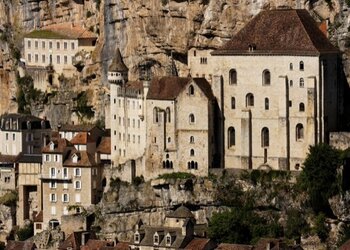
x=75 y=158
x=156 y=239
x=191 y=90
x=137 y=238
x=52 y=146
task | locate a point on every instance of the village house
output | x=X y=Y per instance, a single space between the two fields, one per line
x=55 y=50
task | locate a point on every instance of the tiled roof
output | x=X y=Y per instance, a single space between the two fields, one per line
x=117 y=64
x=84 y=159
x=204 y=85
x=23 y=119
x=197 y=244
x=225 y=246
x=279 y=32
x=77 y=128
x=167 y=88
x=105 y=146
x=30 y=158
x=181 y=212
x=20 y=245
x=136 y=85
x=60 y=146
x=61 y=31
x=8 y=158
x=82 y=138
x=95 y=244
x=121 y=246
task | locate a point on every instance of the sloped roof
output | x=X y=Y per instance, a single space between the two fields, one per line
x=77 y=127
x=82 y=138
x=60 y=146
x=204 y=85
x=39 y=217
x=20 y=245
x=226 y=246
x=9 y=158
x=197 y=244
x=105 y=146
x=117 y=64
x=136 y=85
x=181 y=212
x=84 y=159
x=279 y=32
x=95 y=244
x=62 y=31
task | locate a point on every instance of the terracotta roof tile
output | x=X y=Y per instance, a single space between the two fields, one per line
x=96 y=244
x=136 y=85
x=279 y=32
x=122 y=246
x=9 y=158
x=197 y=244
x=77 y=128
x=82 y=138
x=84 y=159
x=39 y=217
x=59 y=146
x=105 y=146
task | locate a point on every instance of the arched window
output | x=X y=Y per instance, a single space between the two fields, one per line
x=291 y=66
x=299 y=132
x=233 y=76
x=301 y=107
x=231 y=137
x=249 y=100
x=191 y=118
x=155 y=115
x=191 y=90
x=168 y=118
x=266 y=77
x=167 y=164
x=191 y=139
x=301 y=65
x=192 y=152
x=301 y=83
x=291 y=83
x=265 y=140
x=233 y=103
x=267 y=104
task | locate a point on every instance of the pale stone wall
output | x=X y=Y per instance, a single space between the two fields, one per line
x=340 y=140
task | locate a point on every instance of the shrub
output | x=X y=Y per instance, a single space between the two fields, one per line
x=138 y=180
x=176 y=175
x=296 y=224
x=9 y=199
x=25 y=232
x=321 y=228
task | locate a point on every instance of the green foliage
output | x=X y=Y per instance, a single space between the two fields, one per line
x=266 y=177
x=347 y=3
x=26 y=93
x=100 y=123
x=320 y=227
x=176 y=175
x=45 y=34
x=116 y=183
x=9 y=199
x=319 y=177
x=83 y=109
x=25 y=232
x=138 y=180
x=296 y=224
x=241 y=226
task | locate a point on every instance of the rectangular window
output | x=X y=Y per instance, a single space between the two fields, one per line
x=36 y=58
x=58 y=59
x=72 y=45
x=7 y=136
x=36 y=44
x=65 y=59
x=29 y=57
x=119 y=103
x=65 y=45
x=47 y=158
x=53 y=197
x=43 y=44
x=138 y=123
x=43 y=58
x=29 y=44
x=65 y=197
x=65 y=173
x=53 y=210
x=13 y=137
x=53 y=172
x=77 y=184
x=58 y=45
x=52 y=184
x=133 y=123
x=77 y=172
x=65 y=185
x=56 y=158
x=77 y=198
x=50 y=45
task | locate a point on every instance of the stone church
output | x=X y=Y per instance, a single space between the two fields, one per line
x=264 y=97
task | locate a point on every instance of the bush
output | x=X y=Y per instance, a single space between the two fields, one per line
x=321 y=228
x=176 y=175
x=9 y=199
x=138 y=180
x=25 y=232
x=296 y=225
x=83 y=109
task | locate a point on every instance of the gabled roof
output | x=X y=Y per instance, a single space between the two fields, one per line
x=169 y=87
x=60 y=146
x=181 y=212
x=117 y=64
x=105 y=146
x=135 y=85
x=198 y=244
x=20 y=245
x=62 y=31
x=82 y=138
x=287 y=31
x=9 y=158
x=84 y=159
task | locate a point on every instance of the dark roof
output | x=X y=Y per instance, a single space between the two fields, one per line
x=226 y=246
x=105 y=146
x=135 y=85
x=84 y=159
x=8 y=158
x=20 y=245
x=181 y=212
x=198 y=244
x=74 y=240
x=117 y=64
x=279 y=32
x=95 y=244
x=27 y=158
x=39 y=217
x=169 y=87
x=77 y=128
x=23 y=122
x=62 y=31
x=60 y=146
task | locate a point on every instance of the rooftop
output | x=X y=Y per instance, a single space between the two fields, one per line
x=117 y=64
x=287 y=31
x=181 y=212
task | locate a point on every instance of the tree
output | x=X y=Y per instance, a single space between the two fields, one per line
x=296 y=224
x=319 y=176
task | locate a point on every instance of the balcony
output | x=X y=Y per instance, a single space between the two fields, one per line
x=57 y=177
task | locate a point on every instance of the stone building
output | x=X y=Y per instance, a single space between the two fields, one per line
x=277 y=87
x=69 y=179
x=55 y=50
x=21 y=133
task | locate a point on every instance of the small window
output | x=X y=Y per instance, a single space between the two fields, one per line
x=194 y=53
x=299 y=132
x=266 y=77
x=29 y=44
x=50 y=45
x=155 y=115
x=136 y=238
x=265 y=140
x=72 y=46
x=249 y=100
x=291 y=83
x=58 y=45
x=301 y=83
x=301 y=107
x=77 y=185
x=65 y=45
x=168 y=117
x=36 y=44
x=192 y=152
x=53 y=198
x=65 y=198
x=291 y=66
x=233 y=103
x=156 y=239
x=58 y=59
x=29 y=57
x=233 y=76
x=77 y=172
x=191 y=139
x=65 y=59
x=43 y=58
x=168 y=240
x=301 y=65
x=267 y=104
x=231 y=137
x=191 y=118
x=43 y=44
x=53 y=172
x=191 y=90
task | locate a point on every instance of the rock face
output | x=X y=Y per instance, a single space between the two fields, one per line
x=152 y=31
